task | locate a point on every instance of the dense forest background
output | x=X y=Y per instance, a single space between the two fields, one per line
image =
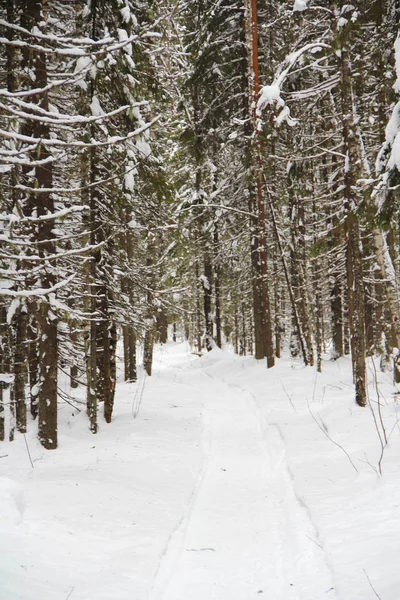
x=228 y=169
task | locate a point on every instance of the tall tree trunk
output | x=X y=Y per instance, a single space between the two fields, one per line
x=262 y=263
x=43 y=202
x=91 y=338
x=354 y=268
x=253 y=162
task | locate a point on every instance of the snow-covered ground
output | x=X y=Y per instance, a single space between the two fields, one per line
x=233 y=482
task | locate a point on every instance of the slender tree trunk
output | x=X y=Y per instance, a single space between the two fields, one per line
x=74 y=371
x=217 y=288
x=33 y=361
x=20 y=368
x=129 y=342
x=132 y=372
x=337 y=315
x=236 y=332
x=148 y=351
x=4 y=363
x=149 y=333
x=207 y=295
x=244 y=329
x=277 y=305
x=198 y=310
x=109 y=399
x=317 y=276
x=300 y=336
x=91 y=344
x=288 y=283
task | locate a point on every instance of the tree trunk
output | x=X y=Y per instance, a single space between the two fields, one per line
x=20 y=368
x=109 y=399
x=197 y=317
x=207 y=295
x=301 y=335
x=148 y=351
x=132 y=372
x=162 y=326
x=33 y=362
x=43 y=202
x=4 y=363
x=262 y=308
x=149 y=333
x=354 y=269
x=48 y=353
x=217 y=288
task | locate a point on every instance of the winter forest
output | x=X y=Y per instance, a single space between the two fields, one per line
x=199 y=210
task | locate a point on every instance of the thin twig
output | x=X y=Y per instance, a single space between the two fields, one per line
x=329 y=437
x=379 y=436
x=287 y=396
x=310 y=538
x=69 y=595
x=367 y=462
x=391 y=431
x=382 y=443
x=27 y=449
x=66 y=399
x=139 y=394
x=372 y=587
x=379 y=401
x=73 y=405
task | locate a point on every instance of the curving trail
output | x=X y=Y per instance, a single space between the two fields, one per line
x=244 y=534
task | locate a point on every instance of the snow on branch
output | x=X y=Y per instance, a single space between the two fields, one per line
x=300 y=5
x=38 y=291
x=271 y=94
x=11 y=160
x=30 y=108
x=57 y=119
x=50 y=217
x=94 y=144
x=51 y=38
x=50 y=257
x=70 y=51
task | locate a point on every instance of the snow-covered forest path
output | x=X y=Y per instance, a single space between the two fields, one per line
x=215 y=481
x=245 y=534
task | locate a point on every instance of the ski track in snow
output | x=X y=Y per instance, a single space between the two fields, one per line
x=245 y=533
